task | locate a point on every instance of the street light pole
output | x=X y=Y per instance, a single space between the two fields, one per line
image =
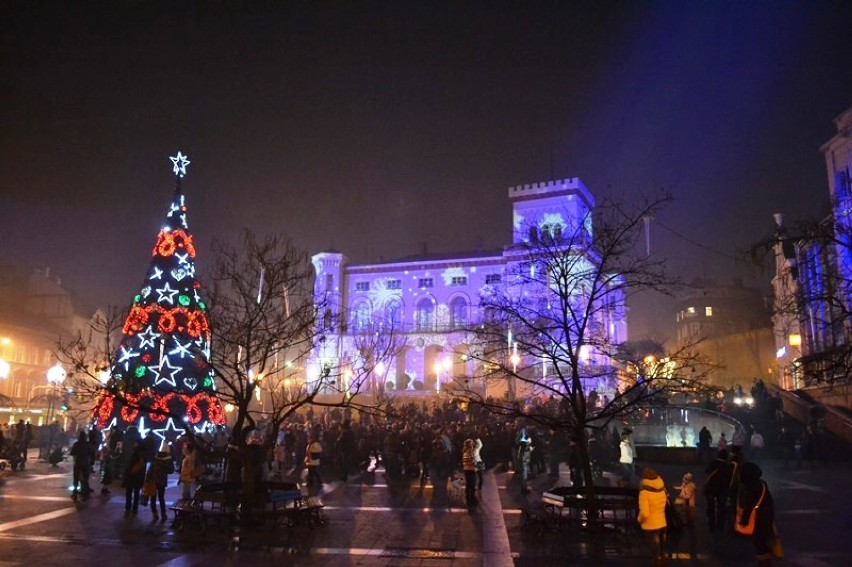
x=55 y=377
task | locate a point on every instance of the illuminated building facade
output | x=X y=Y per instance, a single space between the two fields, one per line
x=429 y=301
x=813 y=279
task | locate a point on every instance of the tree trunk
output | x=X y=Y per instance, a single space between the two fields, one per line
x=582 y=447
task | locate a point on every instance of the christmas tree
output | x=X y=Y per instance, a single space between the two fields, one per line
x=161 y=371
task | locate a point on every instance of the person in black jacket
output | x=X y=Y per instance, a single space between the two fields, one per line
x=161 y=467
x=132 y=479
x=754 y=496
x=716 y=490
x=83 y=456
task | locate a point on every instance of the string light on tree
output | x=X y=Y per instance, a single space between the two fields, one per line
x=162 y=373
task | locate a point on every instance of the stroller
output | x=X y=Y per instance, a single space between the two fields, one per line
x=10 y=455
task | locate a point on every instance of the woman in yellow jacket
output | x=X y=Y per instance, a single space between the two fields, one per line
x=652 y=514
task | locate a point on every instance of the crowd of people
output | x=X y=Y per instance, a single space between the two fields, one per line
x=436 y=442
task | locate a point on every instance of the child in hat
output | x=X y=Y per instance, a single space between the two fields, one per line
x=686 y=497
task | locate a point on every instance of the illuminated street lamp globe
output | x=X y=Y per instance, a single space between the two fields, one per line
x=56 y=375
x=104 y=376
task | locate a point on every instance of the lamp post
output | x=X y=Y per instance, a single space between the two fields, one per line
x=55 y=377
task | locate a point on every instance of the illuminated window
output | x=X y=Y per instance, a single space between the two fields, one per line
x=458 y=312
x=458 y=280
x=394 y=284
x=493 y=279
x=425 y=282
x=424 y=316
x=708 y=311
x=362 y=286
x=361 y=318
x=393 y=313
x=795 y=340
x=690 y=311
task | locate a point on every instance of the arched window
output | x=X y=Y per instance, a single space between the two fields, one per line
x=361 y=317
x=393 y=314
x=458 y=312
x=425 y=315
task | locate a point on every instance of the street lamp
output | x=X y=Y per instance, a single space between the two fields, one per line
x=55 y=377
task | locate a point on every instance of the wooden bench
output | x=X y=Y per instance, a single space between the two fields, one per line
x=617 y=507
x=212 y=504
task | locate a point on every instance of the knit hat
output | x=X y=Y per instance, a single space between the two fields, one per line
x=687 y=476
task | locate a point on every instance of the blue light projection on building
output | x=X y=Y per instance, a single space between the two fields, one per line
x=433 y=301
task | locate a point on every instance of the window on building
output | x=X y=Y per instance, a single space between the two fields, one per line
x=458 y=312
x=425 y=282
x=361 y=317
x=394 y=284
x=425 y=315
x=458 y=280
x=708 y=311
x=329 y=282
x=794 y=339
x=493 y=279
x=362 y=286
x=393 y=314
x=690 y=311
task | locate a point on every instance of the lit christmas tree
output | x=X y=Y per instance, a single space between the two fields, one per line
x=161 y=371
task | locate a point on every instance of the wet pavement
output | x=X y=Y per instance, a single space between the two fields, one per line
x=373 y=521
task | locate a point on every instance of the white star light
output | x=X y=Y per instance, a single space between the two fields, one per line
x=167 y=293
x=203 y=346
x=126 y=356
x=170 y=426
x=160 y=370
x=182 y=258
x=181 y=349
x=180 y=162
x=143 y=431
x=148 y=337
x=157 y=273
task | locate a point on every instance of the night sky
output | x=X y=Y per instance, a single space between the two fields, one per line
x=373 y=128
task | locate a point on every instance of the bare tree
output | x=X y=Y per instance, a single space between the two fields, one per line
x=88 y=356
x=265 y=324
x=554 y=330
x=816 y=303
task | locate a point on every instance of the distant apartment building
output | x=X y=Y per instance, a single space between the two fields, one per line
x=813 y=281
x=730 y=324
x=432 y=301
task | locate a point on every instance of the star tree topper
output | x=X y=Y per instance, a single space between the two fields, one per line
x=180 y=162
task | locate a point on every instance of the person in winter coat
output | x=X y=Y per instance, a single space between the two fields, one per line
x=754 y=496
x=313 y=459
x=132 y=479
x=161 y=467
x=686 y=498
x=469 y=467
x=716 y=490
x=652 y=514
x=626 y=457
x=190 y=470
x=478 y=461
x=83 y=456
